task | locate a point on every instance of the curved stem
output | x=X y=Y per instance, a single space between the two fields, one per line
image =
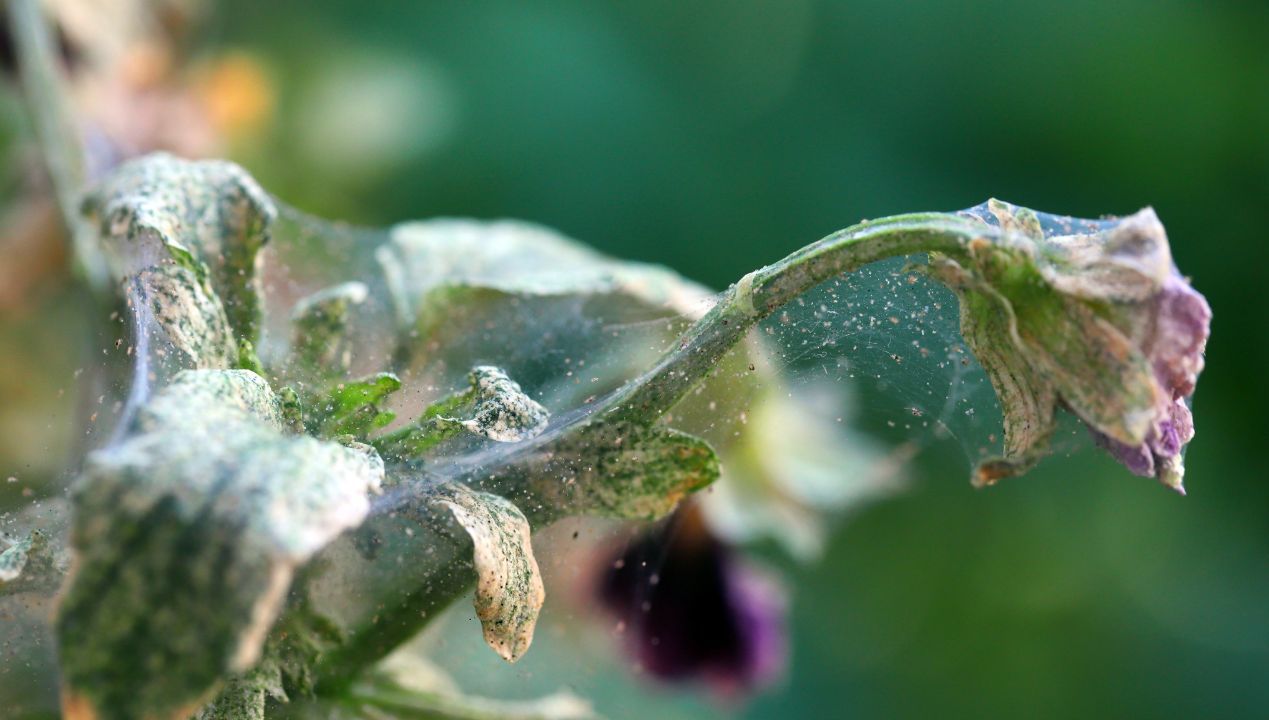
x=763 y=291
x=753 y=298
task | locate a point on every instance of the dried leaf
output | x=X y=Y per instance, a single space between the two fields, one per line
x=509 y=592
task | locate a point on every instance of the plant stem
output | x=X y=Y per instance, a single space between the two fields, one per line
x=762 y=292
x=442 y=577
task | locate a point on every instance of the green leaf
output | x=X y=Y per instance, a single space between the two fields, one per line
x=509 y=592
x=186 y=536
x=612 y=469
x=355 y=407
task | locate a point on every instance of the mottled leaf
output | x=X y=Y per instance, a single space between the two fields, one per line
x=612 y=469
x=186 y=536
x=492 y=406
x=509 y=590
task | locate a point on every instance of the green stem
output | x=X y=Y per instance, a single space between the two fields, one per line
x=762 y=292
x=56 y=133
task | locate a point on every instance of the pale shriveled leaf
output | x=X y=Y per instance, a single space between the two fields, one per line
x=1100 y=323
x=502 y=411
x=509 y=591
x=13 y=559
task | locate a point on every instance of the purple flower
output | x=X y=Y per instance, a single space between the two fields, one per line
x=690 y=610
x=1174 y=344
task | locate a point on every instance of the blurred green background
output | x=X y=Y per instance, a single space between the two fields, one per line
x=716 y=136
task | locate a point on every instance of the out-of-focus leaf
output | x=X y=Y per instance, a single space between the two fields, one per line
x=186 y=536
x=513 y=259
x=406 y=686
x=13 y=559
x=509 y=591
x=246 y=696
x=786 y=464
x=319 y=327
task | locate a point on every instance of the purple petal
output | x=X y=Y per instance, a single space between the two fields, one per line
x=691 y=611
x=1183 y=323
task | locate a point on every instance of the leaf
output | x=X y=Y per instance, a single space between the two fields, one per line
x=355 y=407
x=186 y=536
x=1027 y=398
x=613 y=469
x=209 y=218
x=245 y=697
x=188 y=314
x=509 y=592
x=13 y=559
x=515 y=259
x=550 y=298
x=502 y=411
x=494 y=405
x=319 y=328
x=394 y=689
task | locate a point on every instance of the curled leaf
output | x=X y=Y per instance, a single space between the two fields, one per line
x=509 y=592
x=502 y=411
x=13 y=559
x=492 y=406
x=209 y=218
x=186 y=536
